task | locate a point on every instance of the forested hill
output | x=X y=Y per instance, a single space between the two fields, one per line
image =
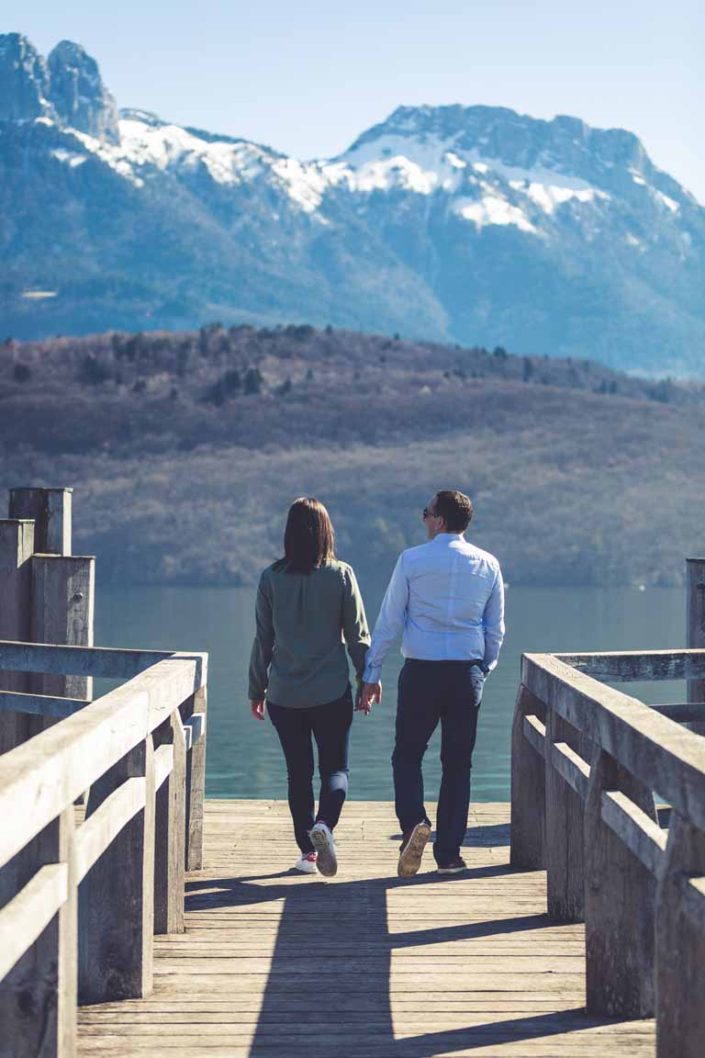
x=292 y=384
x=186 y=448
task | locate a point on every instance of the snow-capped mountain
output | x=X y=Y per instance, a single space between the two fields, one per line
x=471 y=224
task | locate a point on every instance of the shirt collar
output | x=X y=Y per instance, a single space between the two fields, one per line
x=447 y=538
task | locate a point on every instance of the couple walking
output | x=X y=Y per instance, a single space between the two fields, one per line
x=446 y=599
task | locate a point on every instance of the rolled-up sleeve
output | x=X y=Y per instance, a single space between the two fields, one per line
x=355 y=629
x=261 y=656
x=493 y=622
x=390 y=622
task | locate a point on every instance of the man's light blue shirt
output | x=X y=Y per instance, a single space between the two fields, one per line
x=446 y=598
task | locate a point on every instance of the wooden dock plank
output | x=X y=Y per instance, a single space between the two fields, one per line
x=364 y=965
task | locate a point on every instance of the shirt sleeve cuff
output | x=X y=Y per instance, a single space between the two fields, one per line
x=372 y=673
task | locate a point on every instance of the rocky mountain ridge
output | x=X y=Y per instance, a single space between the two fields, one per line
x=471 y=224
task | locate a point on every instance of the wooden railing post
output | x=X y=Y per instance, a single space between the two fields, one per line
x=528 y=788
x=63 y=591
x=695 y=619
x=50 y=510
x=194 y=711
x=680 y=948
x=38 y=996
x=169 y=829
x=116 y=897
x=16 y=547
x=563 y=848
x=620 y=894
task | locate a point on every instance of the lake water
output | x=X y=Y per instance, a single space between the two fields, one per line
x=244 y=757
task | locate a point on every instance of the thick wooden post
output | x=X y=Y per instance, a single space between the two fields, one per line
x=195 y=710
x=116 y=897
x=695 y=619
x=680 y=949
x=528 y=788
x=63 y=590
x=169 y=829
x=16 y=547
x=620 y=896
x=563 y=848
x=50 y=509
x=38 y=996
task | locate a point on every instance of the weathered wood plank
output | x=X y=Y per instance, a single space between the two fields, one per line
x=680 y=948
x=41 y=704
x=51 y=770
x=695 y=619
x=403 y=974
x=570 y=766
x=105 y=823
x=37 y=996
x=16 y=548
x=51 y=512
x=170 y=824
x=620 y=893
x=636 y=665
x=107 y=662
x=563 y=844
x=528 y=787
x=116 y=897
x=651 y=747
x=63 y=603
x=28 y=913
x=194 y=712
x=638 y=831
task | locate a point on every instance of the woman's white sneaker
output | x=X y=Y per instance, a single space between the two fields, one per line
x=324 y=844
x=307 y=863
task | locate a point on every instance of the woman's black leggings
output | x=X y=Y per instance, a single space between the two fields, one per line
x=330 y=726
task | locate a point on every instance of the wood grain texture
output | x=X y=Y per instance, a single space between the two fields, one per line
x=16 y=549
x=620 y=895
x=116 y=897
x=680 y=948
x=652 y=747
x=564 y=825
x=365 y=965
x=51 y=512
x=63 y=604
x=695 y=619
x=528 y=785
x=35 y=1019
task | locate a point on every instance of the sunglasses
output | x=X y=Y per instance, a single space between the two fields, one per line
x=428 y=513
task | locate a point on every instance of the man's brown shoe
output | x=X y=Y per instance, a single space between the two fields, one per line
x=411 y=851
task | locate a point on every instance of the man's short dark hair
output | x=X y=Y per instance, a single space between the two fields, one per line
x=455 y=508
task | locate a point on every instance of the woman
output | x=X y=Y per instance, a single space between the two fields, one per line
x=304 y=602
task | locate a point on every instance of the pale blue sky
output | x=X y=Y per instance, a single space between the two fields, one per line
x=308 y=77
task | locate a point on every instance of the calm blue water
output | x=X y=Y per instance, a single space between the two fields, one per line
x=244 y=758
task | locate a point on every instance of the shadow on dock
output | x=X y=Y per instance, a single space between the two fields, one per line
x=328 y=991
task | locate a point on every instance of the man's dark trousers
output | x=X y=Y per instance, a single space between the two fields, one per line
x=429 y=692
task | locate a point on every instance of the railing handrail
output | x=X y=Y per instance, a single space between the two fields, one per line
x=649 y=745
x=42 y=777
x=108 y=662
x=639 y=665
x=587 y=761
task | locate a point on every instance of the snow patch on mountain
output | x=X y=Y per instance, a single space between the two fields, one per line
x=492 y=209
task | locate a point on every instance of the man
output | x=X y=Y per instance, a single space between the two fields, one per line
x=446 y=597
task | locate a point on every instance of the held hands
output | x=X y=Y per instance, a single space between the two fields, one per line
x=257 y=707
x=368 y=694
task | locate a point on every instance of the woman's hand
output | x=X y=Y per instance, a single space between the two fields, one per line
x=369 y=693
x=257 y=707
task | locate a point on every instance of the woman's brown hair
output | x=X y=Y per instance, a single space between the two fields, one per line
x=309 y=540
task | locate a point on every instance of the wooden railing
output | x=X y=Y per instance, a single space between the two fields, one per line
x=100 y=816
x=587 y=762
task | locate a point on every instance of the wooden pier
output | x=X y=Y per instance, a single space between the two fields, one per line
x=137 y=919
x=365 y=965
